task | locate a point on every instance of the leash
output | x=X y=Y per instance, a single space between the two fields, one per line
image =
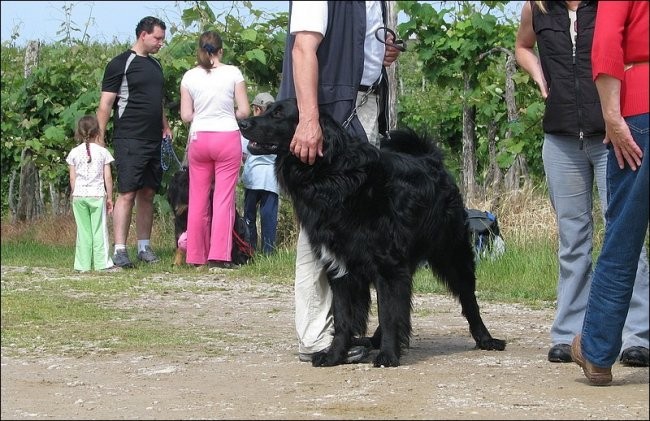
x=397 y=43
x=362 y=102
x=167 y=153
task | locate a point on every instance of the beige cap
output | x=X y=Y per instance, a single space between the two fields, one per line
x=263 y=100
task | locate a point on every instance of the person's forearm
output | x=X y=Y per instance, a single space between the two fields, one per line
x=609 y=91
x=108 y=182
x=305 y=73
x=103 y=114
x=528 y=60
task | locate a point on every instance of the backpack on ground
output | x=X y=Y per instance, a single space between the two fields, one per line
x=242 y=251
x=486 y=235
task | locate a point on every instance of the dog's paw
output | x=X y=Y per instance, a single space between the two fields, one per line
x=386 y=360
x=323 y=359
x=491 y=344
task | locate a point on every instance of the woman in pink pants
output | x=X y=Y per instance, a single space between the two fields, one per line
x=209 y=92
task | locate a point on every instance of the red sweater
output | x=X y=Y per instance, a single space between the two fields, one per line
x=621 y=38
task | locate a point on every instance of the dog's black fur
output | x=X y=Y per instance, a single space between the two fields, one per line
x=178 y=193
x=372 y=216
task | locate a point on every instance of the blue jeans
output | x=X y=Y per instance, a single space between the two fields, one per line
x=613 y=280
x=268 y=203
x=573 y=166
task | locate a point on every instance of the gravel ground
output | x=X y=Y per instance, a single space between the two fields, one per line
x=254 y=372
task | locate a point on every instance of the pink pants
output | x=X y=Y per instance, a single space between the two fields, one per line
x=212 y=156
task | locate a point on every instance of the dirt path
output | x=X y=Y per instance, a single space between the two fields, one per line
x=254 y=372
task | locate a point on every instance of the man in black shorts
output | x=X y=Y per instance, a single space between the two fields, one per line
x=133 y=89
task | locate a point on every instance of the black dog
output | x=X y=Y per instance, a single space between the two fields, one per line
x=178 y=193
x=178 y=197
x=372 y=216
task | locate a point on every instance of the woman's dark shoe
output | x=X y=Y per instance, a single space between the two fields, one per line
x=220 y=264
x=597 y=376
x=635 y=356
x=560 y=353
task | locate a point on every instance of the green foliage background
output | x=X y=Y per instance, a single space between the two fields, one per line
x=39 y=111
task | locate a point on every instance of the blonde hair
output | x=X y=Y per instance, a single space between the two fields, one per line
x=541 y=4
x=210 y=44
x=87 y=131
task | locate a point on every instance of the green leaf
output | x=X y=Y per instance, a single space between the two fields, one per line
x=55 y=134
x=249 y=35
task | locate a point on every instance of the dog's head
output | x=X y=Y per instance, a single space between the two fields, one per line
x=271 y=132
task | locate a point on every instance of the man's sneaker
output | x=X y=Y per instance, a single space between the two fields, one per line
x=355 y=354
x=147 y=255
x=121 y=259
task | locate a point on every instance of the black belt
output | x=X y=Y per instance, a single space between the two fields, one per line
x=366 y=88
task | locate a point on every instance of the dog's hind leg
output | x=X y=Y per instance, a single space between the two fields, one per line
x=394 y=310
x=351 y=304
x=179 y=257
x=458 y=274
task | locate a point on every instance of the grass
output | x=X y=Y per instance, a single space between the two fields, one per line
x=47 y=306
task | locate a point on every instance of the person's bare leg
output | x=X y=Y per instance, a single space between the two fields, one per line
x=144 y=213
x=122 y=216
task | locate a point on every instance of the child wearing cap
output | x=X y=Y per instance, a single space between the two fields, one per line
x=261 y=190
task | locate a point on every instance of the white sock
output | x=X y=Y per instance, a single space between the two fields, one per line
x=142 y=244
x=120 y=247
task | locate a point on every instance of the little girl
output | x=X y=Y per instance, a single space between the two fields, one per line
x=92 y=197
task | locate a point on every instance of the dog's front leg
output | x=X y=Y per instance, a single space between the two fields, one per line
x=348 y=302
x=334 y=355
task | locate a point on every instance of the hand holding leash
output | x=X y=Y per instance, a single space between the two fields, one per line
x=397 y=43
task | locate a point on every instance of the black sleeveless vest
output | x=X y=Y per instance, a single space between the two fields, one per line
x=572 y=105
x=340 y=62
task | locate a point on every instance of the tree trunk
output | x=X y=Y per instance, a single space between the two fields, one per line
x=11 y=199
x=469 y=146
x=28 y=191
x=31 y=57
x=517 y=175
x=494 y=174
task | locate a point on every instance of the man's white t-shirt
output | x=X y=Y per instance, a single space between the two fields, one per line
x=312 y=16
x=213 y=95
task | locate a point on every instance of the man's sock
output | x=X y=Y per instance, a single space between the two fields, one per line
x=120 y=247
x=142 y=244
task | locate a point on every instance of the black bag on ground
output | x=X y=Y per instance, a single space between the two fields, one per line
x=486 y=235
x=242 y=251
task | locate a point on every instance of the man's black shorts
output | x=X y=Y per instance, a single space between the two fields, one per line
x=138 y=164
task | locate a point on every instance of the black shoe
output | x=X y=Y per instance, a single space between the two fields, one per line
x=560 y=353
x=355 y=354
x=220 y=264
x=635 y=356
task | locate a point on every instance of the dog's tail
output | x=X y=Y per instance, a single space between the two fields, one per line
x=409 y=142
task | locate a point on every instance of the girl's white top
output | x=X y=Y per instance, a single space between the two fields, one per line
x=90 y=175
